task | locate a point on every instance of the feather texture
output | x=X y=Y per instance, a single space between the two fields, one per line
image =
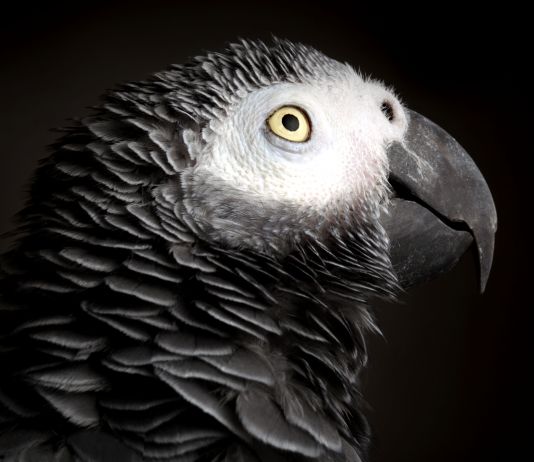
x=127 y=333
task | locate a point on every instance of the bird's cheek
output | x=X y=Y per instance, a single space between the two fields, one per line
x=365 y=166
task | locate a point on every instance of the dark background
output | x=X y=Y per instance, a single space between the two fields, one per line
x=448 y=380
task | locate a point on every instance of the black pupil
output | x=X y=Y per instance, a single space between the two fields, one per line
x=290 y=122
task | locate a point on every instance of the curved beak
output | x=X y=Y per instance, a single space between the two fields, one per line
x=440 y=205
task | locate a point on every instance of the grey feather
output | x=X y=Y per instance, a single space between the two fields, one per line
x=253 y=317
x=177 y=432
x=299 y=413
x=153 y=269
x=71 y=339
x=184 y=343
x=185 y=257
x=78 y=408
x=77 y=378
x=148 y=292
x=196 y=369
x=199 y=396
x=244 y=364
x=264 y=420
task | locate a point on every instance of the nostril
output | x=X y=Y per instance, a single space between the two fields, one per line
x=387 y=110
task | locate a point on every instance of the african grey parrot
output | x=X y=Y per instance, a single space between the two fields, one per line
x=191 y=275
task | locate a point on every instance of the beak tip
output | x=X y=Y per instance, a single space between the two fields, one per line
x=483 y=283
x=485 y=246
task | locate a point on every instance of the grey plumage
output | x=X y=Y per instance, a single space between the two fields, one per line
x=130 y=331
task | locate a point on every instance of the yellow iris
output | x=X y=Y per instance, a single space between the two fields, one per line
x=290 y=123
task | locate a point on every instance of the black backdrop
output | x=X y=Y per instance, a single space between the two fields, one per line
x=448 y=380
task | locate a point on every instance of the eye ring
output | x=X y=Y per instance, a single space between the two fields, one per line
x=290 y=123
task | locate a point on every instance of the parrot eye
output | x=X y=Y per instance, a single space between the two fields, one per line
x=290 y=123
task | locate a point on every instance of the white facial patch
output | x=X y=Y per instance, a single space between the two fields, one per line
x=344 y=160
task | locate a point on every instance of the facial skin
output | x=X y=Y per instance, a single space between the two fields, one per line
x=342 y=167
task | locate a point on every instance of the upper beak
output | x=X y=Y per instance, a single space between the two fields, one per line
x=441 y=204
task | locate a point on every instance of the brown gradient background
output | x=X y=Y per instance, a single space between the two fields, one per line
x=448 y=381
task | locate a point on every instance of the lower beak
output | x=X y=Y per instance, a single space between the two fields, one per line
x=441 y=205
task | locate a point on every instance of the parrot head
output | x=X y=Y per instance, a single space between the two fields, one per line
x=192 y=273
x=289 y=146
